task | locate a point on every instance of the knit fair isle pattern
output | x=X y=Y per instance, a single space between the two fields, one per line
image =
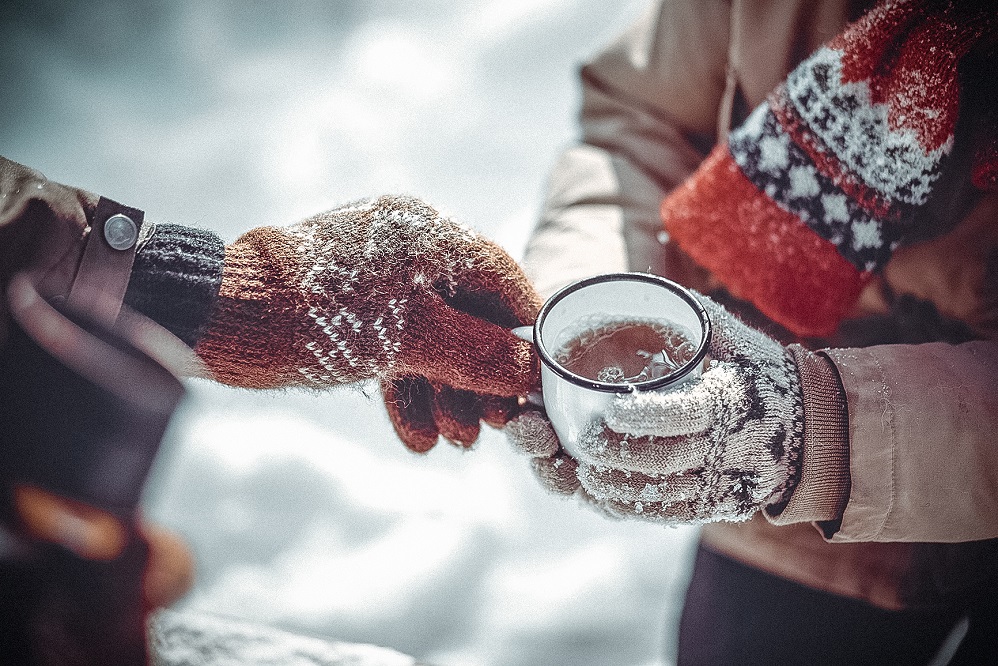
x=717 y=450
x=815 y=191
x=354 y=336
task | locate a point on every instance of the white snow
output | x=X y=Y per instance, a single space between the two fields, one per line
x=197 y=638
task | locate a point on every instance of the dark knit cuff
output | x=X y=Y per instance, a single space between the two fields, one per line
x=175 y=279
x=823 y=490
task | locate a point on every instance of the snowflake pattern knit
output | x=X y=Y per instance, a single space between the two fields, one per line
x=816 y=189
x=720 y=448
x=386 y=288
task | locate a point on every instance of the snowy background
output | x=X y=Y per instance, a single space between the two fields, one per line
x=303 y=510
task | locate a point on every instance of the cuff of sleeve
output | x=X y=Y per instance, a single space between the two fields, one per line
x=175 y=279
x=823 y=490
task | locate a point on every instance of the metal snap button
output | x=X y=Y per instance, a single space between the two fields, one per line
x=120 y=232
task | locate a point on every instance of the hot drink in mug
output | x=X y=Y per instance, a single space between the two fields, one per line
x=612 y=334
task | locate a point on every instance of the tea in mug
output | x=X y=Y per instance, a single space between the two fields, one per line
x=626 y=352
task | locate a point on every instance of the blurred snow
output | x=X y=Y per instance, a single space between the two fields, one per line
x=307 y=515
x=304 y=511
x=186 y=638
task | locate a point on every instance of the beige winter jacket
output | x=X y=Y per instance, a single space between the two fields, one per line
x=923 y=456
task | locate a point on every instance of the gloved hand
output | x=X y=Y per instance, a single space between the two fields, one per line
x=384 y=288
x=718 y=448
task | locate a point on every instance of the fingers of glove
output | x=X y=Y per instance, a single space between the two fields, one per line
x=602 y=447
x=607 y=483
x=687 y=512
x=557 y=473
x=490 y=285
x=595 y=504
x=692 y=409
x=532 y=434
x=497 y=410
x=456 y=414
x=452 y=347
x=409 y=401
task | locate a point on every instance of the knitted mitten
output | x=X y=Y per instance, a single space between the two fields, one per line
x=388 y=289
x=809 y=198
x=719 y=448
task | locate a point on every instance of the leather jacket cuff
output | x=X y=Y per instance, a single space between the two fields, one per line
x=101 y=279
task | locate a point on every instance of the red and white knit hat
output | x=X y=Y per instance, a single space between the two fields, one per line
x=812 y=194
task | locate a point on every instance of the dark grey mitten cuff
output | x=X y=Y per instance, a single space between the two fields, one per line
x=175 y=279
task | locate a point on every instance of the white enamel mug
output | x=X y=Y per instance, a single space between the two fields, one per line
x=572 y=401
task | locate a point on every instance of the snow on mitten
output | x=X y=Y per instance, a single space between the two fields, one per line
x=385 y=289
x=809 y=198
x=719 y=448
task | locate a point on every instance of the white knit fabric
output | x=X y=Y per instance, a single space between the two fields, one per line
x=717 y=449
x=186 y=638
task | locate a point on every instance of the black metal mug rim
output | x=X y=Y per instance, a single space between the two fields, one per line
x=650 y=385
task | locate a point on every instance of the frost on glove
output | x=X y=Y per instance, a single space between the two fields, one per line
x=810 y=197
x=383 y=289
x=719 y=448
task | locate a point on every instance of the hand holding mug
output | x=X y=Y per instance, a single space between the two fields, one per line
x=719 y=447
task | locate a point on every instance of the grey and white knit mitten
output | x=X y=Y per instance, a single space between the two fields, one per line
x=719 y=448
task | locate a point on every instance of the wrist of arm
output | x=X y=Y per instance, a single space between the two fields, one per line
x=823 y=489
x=175 y=279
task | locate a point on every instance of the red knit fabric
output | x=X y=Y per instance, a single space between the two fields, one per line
x=765 y=254
x=385 y=289
x=819 y=186
x=908 y=56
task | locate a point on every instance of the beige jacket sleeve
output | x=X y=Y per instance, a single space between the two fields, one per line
x=649 y=113
x=923 y=461
x=923 y=434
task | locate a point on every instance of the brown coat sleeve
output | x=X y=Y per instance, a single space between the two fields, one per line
x=923 y=433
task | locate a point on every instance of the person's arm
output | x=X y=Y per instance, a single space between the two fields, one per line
x=888 y=443
x=387 y=289
x=649 y=114
x=922 y=462
x=76 y=249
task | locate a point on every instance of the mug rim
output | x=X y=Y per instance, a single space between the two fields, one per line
x=606 y=387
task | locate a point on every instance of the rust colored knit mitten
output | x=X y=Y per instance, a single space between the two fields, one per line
x=386 y=288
